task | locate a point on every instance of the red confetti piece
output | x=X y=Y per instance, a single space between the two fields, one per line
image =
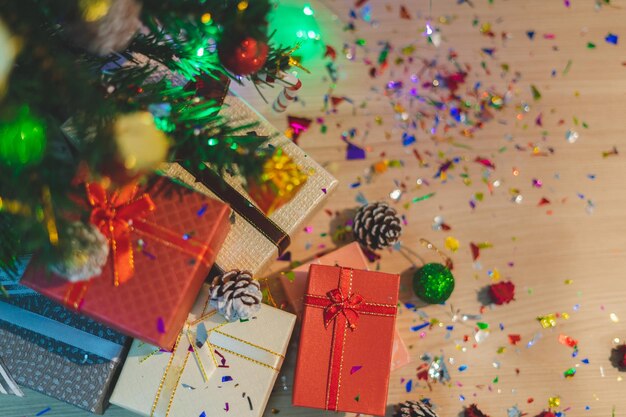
x=485 y=162
x=502 y=292
x=404 y=13
x=475 y=251
x=567 y=341
x=514 y=339
x=330 y=52
x=546 y=414
x=473 y=411
x=355 y=369
x=298 y=125
x=543 y=202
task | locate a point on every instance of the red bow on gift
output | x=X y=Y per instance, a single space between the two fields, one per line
x=116 y=216
x=342 y=305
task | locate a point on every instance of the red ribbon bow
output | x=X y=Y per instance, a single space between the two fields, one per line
x=342 y=305
x=116 y=217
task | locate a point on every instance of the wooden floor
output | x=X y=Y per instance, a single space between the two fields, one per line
x=568 y=256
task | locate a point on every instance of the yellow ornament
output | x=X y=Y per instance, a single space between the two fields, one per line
x=9 y=46
x=278 y=184
x=141 y=146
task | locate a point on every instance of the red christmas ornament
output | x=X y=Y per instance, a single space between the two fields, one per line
x=247 y=58
x=502 y=292
x=473 y=411
x=546 y=414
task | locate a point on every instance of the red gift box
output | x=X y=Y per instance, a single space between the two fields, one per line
x=164 y=240
x=346 y=340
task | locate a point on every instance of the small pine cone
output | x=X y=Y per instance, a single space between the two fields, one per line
x=376 y=226
x=414 y=409
x=236 y=295
x=86 y=251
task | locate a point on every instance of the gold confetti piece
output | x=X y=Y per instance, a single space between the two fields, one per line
x=452 y=244
x=554 y=402
x=614 y=317
x=547 y=321
x=568 y=281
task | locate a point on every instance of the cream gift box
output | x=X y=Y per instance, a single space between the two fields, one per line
x=231 y=373
x=247 y=246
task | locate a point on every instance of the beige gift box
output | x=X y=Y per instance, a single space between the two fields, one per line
x=231 y=374
x=246 y=247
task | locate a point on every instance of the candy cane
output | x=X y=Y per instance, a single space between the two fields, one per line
x=288 y=94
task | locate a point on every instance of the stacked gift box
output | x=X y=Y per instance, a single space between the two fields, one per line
x=188 y=356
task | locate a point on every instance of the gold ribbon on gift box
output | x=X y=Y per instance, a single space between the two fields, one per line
x=217 y=338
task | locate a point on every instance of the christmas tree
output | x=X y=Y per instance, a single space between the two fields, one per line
x=132 y=84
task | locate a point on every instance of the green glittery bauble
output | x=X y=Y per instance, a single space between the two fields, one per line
x=22 y=139
x=433 y=283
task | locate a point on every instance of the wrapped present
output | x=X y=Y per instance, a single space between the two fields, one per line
x=347 y=337
x=217 y=368
x=349 y=256
x=50 y=349
x=256 y=239
x=164 y=240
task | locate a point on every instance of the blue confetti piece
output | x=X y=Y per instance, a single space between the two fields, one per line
x=186 y=236
x=462 y=368
x=409 y=385
x=202 y=414
x=353 y=152
x=227 y=378
x=501 y=326
x=611 y=38
x=203 y=209
x=410 y=306
x=449 y=328
x=530 y=34
x=461 y=397
x=419 y=327
x=585 y=361
x=407 y=139
x=489 y=51
x=587 y=408
x=44 y=411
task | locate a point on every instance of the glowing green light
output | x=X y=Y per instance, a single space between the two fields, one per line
x=233 y=146
x=212 y=142
x=296 y=24
x=22 y=138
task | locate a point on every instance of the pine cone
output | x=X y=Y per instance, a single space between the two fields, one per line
x=102 y=34
x=414 y=409
x=377 y=226
x=236 y=295
x=85 y=253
